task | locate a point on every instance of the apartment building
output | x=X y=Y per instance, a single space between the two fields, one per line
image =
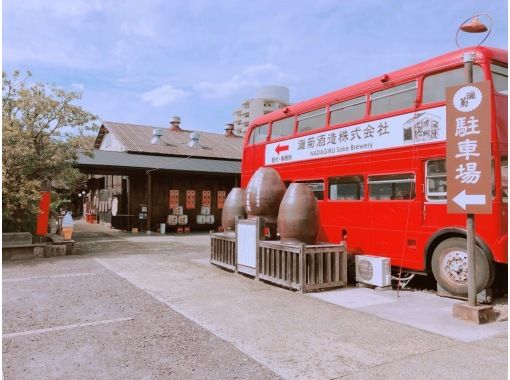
x=267 y=99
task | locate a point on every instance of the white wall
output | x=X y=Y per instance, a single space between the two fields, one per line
x=110 y=143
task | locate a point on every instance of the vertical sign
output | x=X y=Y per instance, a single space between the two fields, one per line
x=468 y=149
x=190 y=199
x=221 y=198
x=206 y=198
x=44 y=213
x=173 y=199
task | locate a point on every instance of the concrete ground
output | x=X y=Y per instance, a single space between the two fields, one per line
x=137 y=306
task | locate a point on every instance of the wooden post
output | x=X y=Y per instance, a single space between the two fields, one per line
x=302 y=267
x=237 y=242
x=344 y=263
x=470 y=221
x=149 y=201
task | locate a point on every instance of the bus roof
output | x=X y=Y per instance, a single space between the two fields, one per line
x=442 y=61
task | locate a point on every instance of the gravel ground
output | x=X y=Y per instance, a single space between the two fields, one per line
x=195 y=323
x=157 y=343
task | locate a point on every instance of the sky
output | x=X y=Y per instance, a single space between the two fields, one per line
x=143 y=62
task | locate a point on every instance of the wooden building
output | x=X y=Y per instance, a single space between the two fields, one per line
x=140 y=176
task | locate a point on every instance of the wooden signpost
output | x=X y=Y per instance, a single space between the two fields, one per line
x=468 y=168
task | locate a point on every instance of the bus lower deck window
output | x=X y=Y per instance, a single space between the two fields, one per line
x=346 y=188
x=392 y=186
x=317 y=188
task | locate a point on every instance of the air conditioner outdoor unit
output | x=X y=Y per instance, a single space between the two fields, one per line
x=373 y=270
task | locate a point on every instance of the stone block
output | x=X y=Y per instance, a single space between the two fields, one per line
x=476 y=314
x=16 y=238
x=38 y=252
x=17 y=253
x=70 y=248
x=54 y=250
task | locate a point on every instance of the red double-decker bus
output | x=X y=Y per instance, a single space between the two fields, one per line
x=374 y=155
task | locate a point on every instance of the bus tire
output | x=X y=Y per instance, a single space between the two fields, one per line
x=449 y=265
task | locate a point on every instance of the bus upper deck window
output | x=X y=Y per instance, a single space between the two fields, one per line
x=282 y=128
x=258 y=134
x=434 y=86
x=392 y=99
x=349 y=110
x=500 y=78
x=312 y=120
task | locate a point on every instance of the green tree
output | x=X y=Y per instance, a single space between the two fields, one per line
x=42 y=132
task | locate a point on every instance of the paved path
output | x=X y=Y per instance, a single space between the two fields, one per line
x=286 y=333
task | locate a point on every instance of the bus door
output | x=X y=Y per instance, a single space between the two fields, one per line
x=434 y=212
x=345 y=215
x=434 y=200
x=393 y=210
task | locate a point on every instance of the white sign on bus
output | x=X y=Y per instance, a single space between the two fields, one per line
x=412 y=128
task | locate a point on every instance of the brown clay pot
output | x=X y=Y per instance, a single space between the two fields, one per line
x=263 y=195
x=234 y=206
x=298 y=218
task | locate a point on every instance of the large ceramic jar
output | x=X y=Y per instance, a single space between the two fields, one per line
x=263 y=195
x=234 y=206
x=298 y=218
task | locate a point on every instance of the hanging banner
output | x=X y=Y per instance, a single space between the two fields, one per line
x=44 y=212
x=173 y=199
x=206 y=198
x=190 y=199
x=221 y=199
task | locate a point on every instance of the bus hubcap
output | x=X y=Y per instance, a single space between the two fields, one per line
x=456 y=266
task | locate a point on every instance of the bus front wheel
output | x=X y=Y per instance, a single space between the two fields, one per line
x=450 y=267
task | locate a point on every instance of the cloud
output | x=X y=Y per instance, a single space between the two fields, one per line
x=56 y=8
x=60 y=54
x=223 y=89
x=163 y=95
x=140 y=28
x=250 y=78
x=257 y=69
x=143 y=55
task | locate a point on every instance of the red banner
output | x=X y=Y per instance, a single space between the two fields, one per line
x=206 y=198
x=44 y=212
x=173 y=199
x=221 y=198
x=190 y=199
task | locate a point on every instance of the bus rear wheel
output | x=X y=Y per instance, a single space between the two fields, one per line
x=450 y=267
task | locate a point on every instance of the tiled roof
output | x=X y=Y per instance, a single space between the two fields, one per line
x=136 y=139
x=124 y=160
